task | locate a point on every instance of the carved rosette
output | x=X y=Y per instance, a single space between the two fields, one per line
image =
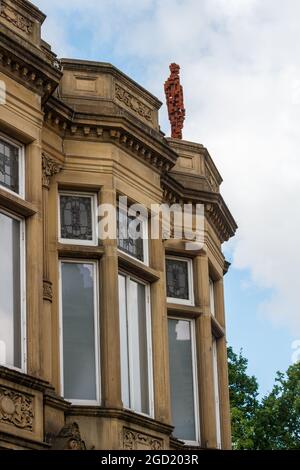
x=16 y=409
x=133 y=440
x=15 y=18
x=47 y=290
x=133 y=103
x=50 y=168
x=69 y=438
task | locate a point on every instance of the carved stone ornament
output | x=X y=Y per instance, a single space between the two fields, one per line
x=133 y=440
x=50 y=168
x=16 y=409
x=47 y=290
x=69 y=438
x=15 y=18
x=133 y=103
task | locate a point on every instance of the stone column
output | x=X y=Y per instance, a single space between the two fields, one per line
x=109 y=317
x=223 y=369
x=204 y=354
x=50 y=168
x=162 y=398
x=34 y=259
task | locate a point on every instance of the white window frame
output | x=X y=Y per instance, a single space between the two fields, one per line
x=96 y=402
x=21 y=148
x=129 y=277
x=145 y=243
x=191 y=300
x=212 y=301
x=94 y=199
x=217 y=393
x=192 y=322
x=23 y=319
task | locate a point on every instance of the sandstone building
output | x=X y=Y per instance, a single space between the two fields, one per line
x=106 y=344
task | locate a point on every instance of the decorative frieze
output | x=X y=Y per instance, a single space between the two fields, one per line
x=16 y=409
x=69 y=438
x=50 y=168
x=133 y=103
x=15 y=18
x=47 y=290
x=134 y=440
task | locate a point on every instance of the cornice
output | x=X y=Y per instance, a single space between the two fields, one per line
x=216 y=211
x=148 y=146
x=34 y=68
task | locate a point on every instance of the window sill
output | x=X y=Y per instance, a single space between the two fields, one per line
x=217 y=329
x=16 y=204
x=137 y=268
x=79 y=251
x=183 y=310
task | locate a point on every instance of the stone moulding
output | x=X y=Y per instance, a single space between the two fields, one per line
x=133 y=103
x=15 y=18
x=16 y=409
x=135 y=440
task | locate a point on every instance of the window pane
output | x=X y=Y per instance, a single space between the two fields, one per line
x=9 y=166
x=124 y=342
x=139 y=343
x=79 y=351
x=217 y=396
x=76 y=217
x=10 y=292
x=182 y=379
x=212 y=297
x=125 y=241
x=177 y=279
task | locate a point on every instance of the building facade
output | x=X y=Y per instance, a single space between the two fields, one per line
x=105 y=343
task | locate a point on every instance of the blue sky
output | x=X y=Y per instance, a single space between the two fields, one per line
x=241 y=75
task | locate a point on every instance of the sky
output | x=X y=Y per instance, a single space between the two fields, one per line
x=240 y=68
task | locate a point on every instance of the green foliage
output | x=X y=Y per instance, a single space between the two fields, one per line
x=272 y=423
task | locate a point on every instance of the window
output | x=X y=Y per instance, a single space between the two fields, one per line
x=11 y=166
x=212 y=297
x=79 y=332
x=183 y=380
x=179 y=273
x=78 y=218
x=12 y=292
x=135 y=337
x=217 y=397
x=134 y=244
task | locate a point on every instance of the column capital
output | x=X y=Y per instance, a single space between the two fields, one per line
x=50 y=168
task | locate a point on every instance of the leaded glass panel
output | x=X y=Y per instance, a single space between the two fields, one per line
x=76 y=217
x=9 y=166
x=132 y=246
x=177 y=279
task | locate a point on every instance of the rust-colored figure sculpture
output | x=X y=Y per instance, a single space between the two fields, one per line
x=174 y=95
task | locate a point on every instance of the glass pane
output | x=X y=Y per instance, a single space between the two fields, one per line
x=124 y=342
x=125 y=241
x=79 y=363
x=212 y=297
x=139 y=345
x=10 y=292
x=9 y=166
x=181 y=378
x=177 y=279
x=76 y=217
x=217 y=397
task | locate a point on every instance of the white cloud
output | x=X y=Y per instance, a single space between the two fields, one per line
x=241 y=71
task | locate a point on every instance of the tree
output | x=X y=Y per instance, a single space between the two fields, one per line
x=243 y=390
x=272 y=423
x=277 y=423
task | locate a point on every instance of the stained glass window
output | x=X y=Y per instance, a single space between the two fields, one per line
x=178 y=279
x=127 y=243
x=76 y=217
x=9 y=166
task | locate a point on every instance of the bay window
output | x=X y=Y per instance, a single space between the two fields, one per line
x=80 y=375
x=12 y=291
x=135 y=347
x=133 y=235
x=183 y=380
